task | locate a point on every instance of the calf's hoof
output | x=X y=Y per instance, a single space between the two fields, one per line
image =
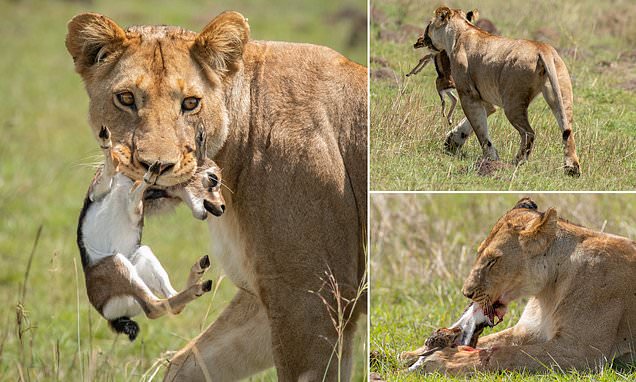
x=573 y=170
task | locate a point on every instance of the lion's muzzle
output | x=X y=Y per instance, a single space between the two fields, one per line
x=171 y=172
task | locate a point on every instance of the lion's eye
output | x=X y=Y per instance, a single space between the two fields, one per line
x=126 y=99
x=490 y=262
x=190 y=103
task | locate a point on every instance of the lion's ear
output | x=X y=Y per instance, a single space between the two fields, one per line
x=91 y=38
x=526 y=203
x=540 y=232
x=472 y=16
x=546 y=224
x=443 y=13
x=222 y=41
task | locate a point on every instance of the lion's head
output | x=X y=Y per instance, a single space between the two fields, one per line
x=440 y=31
x=511 y=259
x=154 y=86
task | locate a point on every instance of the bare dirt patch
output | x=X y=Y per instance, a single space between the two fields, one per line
x=618 y=22
x=623 y=69
x=487 y=167
x=384 y=74
x=380 y=61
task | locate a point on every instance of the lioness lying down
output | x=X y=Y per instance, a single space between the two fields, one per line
x=582 y=297
x=494 y=71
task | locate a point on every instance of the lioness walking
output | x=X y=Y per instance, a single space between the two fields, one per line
x=288 y=124
x=494 y=71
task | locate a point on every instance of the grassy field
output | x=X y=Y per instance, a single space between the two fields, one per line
x=596 y=40
x=422 y=248
x=48 y=330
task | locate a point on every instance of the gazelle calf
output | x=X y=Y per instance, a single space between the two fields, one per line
x=122 y=276
x=444 y=82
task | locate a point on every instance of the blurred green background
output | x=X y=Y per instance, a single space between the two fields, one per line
x=47 y=158
x=423 y=247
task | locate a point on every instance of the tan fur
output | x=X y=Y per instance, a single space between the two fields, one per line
x=288 y=125
x=110 y=278
x=496 y=71
x=444 y=82
x=117 y=276
x=441 y=338
x=580 y=284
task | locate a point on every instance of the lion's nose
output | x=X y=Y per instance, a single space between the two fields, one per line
x=163 y=166
x=468 y=293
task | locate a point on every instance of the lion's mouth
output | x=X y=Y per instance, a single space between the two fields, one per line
x=500 y=309
x=497 y=309
x=428 y=42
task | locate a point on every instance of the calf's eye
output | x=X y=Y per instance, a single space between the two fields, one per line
x=214 y=180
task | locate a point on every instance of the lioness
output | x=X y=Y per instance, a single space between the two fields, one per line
x=491 y=70
x=288 y=124
x=582 y=307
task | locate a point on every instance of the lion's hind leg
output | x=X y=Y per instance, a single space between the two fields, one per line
x=571 y=160
x=558 y=80
x=517 y=114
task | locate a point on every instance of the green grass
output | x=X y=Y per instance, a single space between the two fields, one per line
x=422 y=248
x=46 y=162
x=408 y=130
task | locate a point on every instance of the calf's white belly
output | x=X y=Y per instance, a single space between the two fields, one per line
x=121 y=306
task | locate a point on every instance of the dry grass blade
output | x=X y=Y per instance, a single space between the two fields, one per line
x=30 y=261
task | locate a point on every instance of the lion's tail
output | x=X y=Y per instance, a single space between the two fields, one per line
x=550 y=69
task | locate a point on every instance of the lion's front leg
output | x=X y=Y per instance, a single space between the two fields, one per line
x=456 y=138
x=524 y=332
x=558 y=353
x=477 y=114
x=235 y=346
x=517 y=335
